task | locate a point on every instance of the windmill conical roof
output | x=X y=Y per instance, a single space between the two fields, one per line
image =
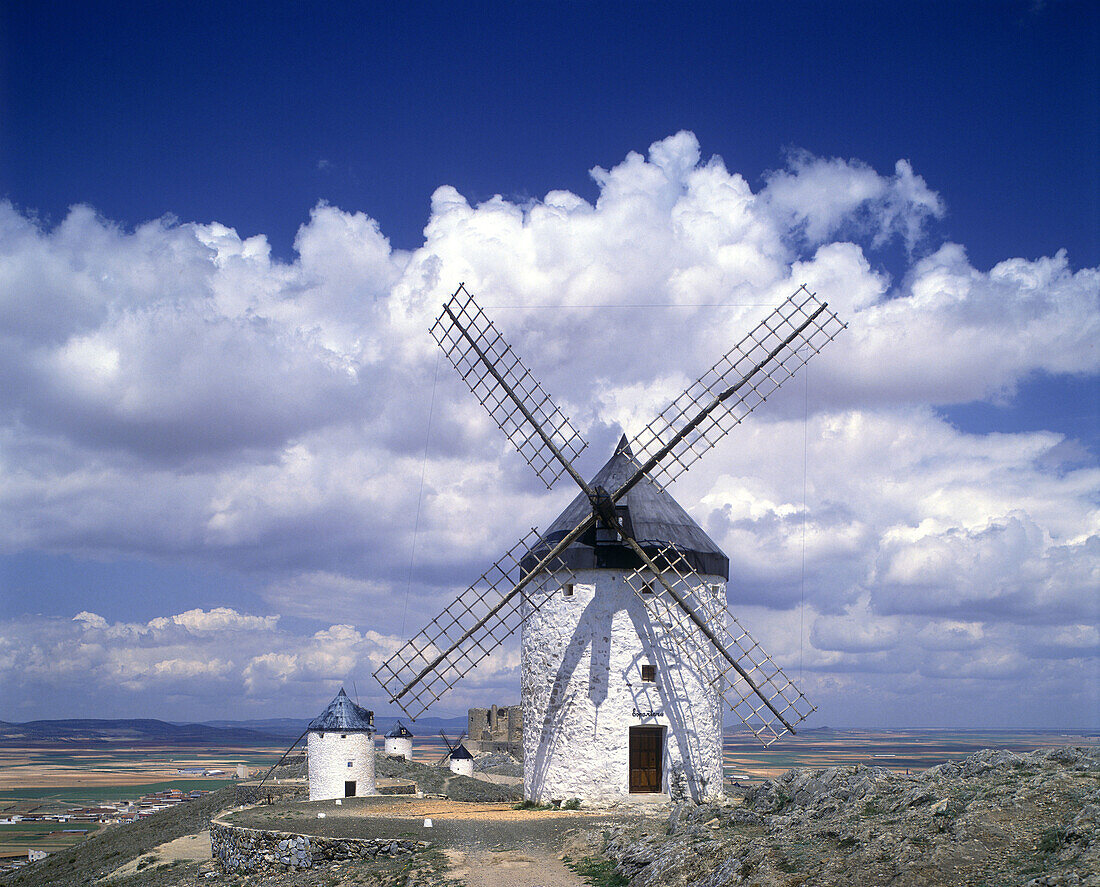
x=459 y=753
x=344 y=716
x=399 y=731
x=655 y=520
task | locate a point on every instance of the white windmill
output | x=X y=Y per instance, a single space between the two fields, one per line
x=458 y=757
x=399 y=742
x=341 y=751
x=629 y=656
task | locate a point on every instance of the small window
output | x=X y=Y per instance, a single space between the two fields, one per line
x=647 y=587
x=349 y=763
x=343 y=735
x=567 y=590
x=716 y=590
x=649 y=673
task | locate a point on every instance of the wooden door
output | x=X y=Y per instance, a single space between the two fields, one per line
x=349 y=788
x=645 y=758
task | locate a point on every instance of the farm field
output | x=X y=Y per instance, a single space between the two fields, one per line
x=71 y=775
x=903 y=750
x=18 y=837
x=121 y=773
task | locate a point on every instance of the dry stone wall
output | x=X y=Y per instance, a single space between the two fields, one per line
x=248 y=849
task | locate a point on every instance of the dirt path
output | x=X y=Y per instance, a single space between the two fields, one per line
x=190 y=848
x=523 y=867
x=487 y=844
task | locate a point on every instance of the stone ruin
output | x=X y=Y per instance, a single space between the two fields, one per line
x=495 y=729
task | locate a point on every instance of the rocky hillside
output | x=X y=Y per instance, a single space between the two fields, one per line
x=995 y=818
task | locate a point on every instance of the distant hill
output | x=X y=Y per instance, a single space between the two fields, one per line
x=292 y=727
x=102 y=731
x=283 y=727
x=424 y=726
x=97 y=731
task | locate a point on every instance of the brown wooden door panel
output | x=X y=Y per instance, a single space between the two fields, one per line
x=645 y=758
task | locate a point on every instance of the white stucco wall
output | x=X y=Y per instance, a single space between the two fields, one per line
x=329 y=754
x=582 y=690
x=462 y=766
x=398 y=746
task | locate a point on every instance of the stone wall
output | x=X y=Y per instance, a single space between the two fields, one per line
x=248 y=849
x=497 y=724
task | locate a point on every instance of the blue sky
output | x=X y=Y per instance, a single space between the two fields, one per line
x=215 y=419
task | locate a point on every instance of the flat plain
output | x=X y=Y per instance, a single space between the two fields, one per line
x=44 y=779
x=900 y=751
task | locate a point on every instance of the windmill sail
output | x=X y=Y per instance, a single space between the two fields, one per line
x=736 y=385
x=752 y=685
x=502 y=384
x=469 y=629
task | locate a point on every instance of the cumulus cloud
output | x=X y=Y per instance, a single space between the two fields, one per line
x=174 y=392
x=817 y=198
x=202 y=655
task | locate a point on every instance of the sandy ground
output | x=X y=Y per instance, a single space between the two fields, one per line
x=191 y=848
x=383 y=815
x=500 y=779
x=487 y=844
x=526 y=867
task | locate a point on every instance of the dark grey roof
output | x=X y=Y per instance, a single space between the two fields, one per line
x=399 y=731
x=653 y=517
x=461 y=754
x=343 y=716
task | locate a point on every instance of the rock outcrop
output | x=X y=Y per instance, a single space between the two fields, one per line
x=994 y=818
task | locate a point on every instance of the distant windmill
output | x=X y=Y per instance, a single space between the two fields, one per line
x=458 y=758
x=628 y=653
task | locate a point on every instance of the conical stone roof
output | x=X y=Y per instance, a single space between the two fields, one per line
x=343 y=716
x=399 y=731
x=461 y=753
x=652 y=516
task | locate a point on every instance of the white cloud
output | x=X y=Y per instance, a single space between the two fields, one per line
x=174 y=392
x=819 y=198
x=205 y=655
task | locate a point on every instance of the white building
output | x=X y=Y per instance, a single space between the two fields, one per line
x=341 y=751
x=461 y=761
x=399 y=742
x=610 y=706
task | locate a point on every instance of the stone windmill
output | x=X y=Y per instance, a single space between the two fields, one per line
x=629 y=657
